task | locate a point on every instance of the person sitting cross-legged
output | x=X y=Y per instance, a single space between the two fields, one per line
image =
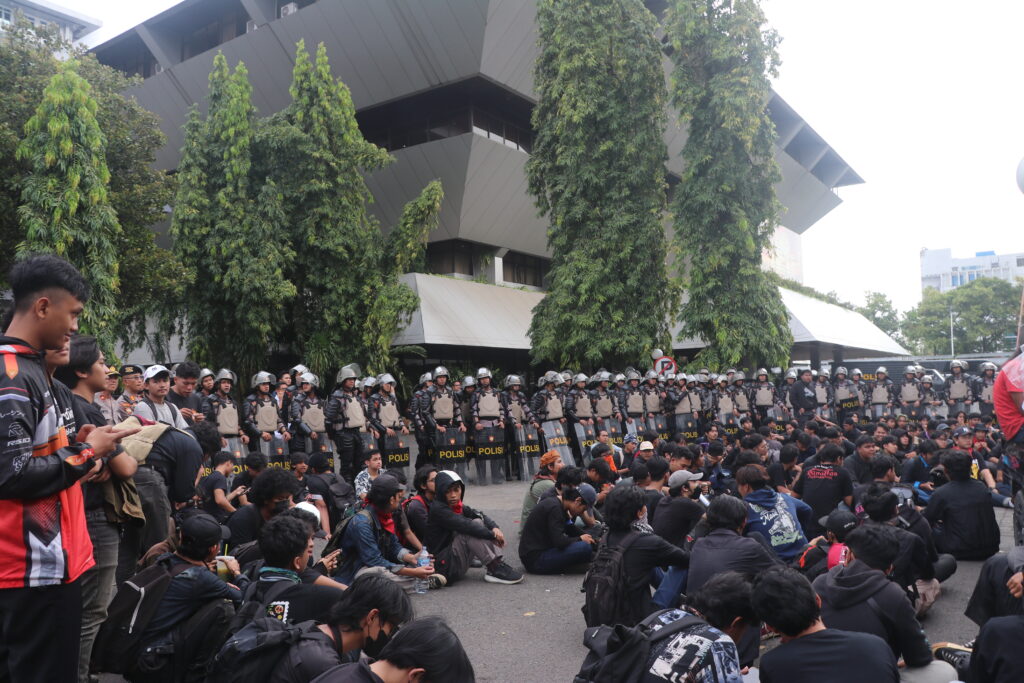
x=550 y=543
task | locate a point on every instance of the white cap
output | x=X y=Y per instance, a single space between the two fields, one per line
x=154 y=370
x=309 y=507
x=646 y=446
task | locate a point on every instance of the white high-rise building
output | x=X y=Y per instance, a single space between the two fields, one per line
x=73 y=25
x=941 y=271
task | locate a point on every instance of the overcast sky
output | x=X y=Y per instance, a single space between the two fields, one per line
x=920 y=97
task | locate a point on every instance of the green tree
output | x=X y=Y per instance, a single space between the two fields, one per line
x=597 y=173
x=725 y=210
x=878 y=309
x=228 y=223
x=149 y=275
x=984 y=318
x=66 y=207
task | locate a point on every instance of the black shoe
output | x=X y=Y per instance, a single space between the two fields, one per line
x=502 y=573
x=954 y=654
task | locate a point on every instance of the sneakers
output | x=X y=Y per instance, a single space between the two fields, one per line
x=953 y=653
x=502 y=573
x=435 y=581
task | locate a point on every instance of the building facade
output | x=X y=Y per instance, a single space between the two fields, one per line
x=941 y=271
x=445 y=86
x=73 y=26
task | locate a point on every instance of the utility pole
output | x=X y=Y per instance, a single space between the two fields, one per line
x=952 y=352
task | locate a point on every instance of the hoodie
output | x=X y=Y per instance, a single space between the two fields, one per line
x=844 y=593
x=780 y=519
x=443 y=522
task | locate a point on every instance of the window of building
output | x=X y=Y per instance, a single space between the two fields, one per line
x=452 y=257
x=972 y=276
x=214 y=33
x=1020 y=261
x=522 y=269
x=6 y=15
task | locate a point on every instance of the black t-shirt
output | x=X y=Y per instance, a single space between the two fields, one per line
x=780 y=476
x=299 y=602
x=831 y=655
x=822 y=487
x=676 y=517
x=210 y=483
x=245 y=525
x=652 y=498
x=88 y=413
x=193 y=402
x=358 y=672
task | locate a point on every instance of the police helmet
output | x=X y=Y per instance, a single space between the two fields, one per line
x=468 y=381
x=791 y=374
x=927 y=379
x=262 y=377
x=856 y=371
x=512 y=380
x=703 y=377
x=762 y=371
x=369 y=382
x=224 y=373
x=651 y=374
x=204 y=373
x=440 y=371
x=632 y=374
x=483 y=372
x=740 y=376
x=670 y=376
x=565 y=376
x=619 y=377
x=910 y=370
x=824 y=373
x=350 y=371
x=309 y=378
x=958 y=364
x=386 y=378
x=425 y=377
x=579 y=378
x=298 y=369
x=604 y=376
x=723 y=379
x=881 y=370
x=841 y=370
x=988 y=366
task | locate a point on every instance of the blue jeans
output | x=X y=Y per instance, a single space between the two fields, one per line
x=557 y=560
x=673 y=582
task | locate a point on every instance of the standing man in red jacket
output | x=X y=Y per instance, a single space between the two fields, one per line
x=44 y=543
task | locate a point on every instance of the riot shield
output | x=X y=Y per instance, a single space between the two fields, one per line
x=450 y=450
x=614 y=428
x=659 y=424
x=555 y=439
x=276 y=447
x=490 y=456
x=394 y=451
x=321 y=444
x=528 y=447
x=731 y=425
x=689 y=427
x=236 y=447
x=369 y=447
x=630 y=426
x=877 y=410
x=584 y=436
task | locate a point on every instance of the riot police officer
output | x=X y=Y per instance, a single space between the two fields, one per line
x=419 y=424
x=931 y=400
x=465 y=396
x=909 y=392
x=579 y=404
x=384 y=412
x=722 y=404
x=740 y=394
x=823 y=394
x=844 y=390
x=440 y=408
x=307 y=414
x=206 y=382
x=763 y=393
x=487 y=407
x=547 y=404
x=803 y=397
x=880 y=393
x=220 y=409
x=632 y=399
x=959 y=395
x=605 y=400
x=653 y=395
x=984 y=387
x=262 y=416
x=347 y=417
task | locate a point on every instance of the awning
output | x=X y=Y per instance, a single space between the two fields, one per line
x=459 y=312
x=816 y=322
x=465 y=313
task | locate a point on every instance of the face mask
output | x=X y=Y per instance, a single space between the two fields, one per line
x=280 y=506
x=372 y=647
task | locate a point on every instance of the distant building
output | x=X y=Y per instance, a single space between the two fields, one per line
x=73 y=25
x=941 y=271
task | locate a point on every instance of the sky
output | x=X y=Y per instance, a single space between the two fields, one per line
x=920 y=97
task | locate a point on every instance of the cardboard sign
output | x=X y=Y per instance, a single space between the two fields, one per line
x=556 y=439
x=394 y=450
x=490 y=443
x=449 y=447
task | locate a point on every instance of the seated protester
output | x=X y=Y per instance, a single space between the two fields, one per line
x=550 y=543
x=424 y=650
x=917 y=470
x=567 y=477
x=624 y=512
x=369 y=543
x=605 y=453
x=417 y=506
x=250 y=556
x=361 y=621
x=912 y=561
x=859 y=464
x=992 y=596
x=832 y=435
x=705 y=651
x=550 y=465
x=601 y=477
x=217 y=501
x=777 y=517
x=809 y=651
x=825 y=552
x=995 y=657
x=784 y=472
x=287 y=546
x=456 y=534
x=254 y=464
x=823 y=486
x=372 y=467
x=402 y=530
x=191 y=620
x=271 y=494
x=805 y=446
x=657 y=468
x=338 y=495
x=720 y=478
x=858 y=596
x=883 y=470
x=639 y=475
x=678 y=512
x=961 y=514
x=679 y=456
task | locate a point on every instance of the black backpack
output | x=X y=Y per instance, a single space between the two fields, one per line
x=254 y=652
x=342 y=495
x=606 y=601
x=620 y=654
x=334 y=542
x=119 y=641
x=255 y=600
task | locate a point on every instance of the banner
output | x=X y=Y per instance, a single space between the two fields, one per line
x=394 y=450
x=556 y=439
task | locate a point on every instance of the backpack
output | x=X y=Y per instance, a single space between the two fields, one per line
x=253 y=603
x=254 y=652
x=119 y=640
x=342 y=495
x=620 y=654
x=334 y=542
x=606 y=601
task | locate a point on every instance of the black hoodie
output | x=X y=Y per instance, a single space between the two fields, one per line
x=443 y=522
x=844 y=593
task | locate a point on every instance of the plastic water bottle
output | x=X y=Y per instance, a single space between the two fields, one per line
x=422 y=560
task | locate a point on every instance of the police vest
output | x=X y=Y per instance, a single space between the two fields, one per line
x=488 y=406
x=880 y=394
x=584 y=408
x=388 y=413
x=957 y=388
x=604 y=404
x=443 y=407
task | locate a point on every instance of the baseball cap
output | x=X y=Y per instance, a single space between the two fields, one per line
x=646 y=446
x=942 y=427
x=680 y=477
x=154 y=370
x=962 y=431
x=589 y=495
x=131 y=370
x=839 y=522
x=204 y=529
